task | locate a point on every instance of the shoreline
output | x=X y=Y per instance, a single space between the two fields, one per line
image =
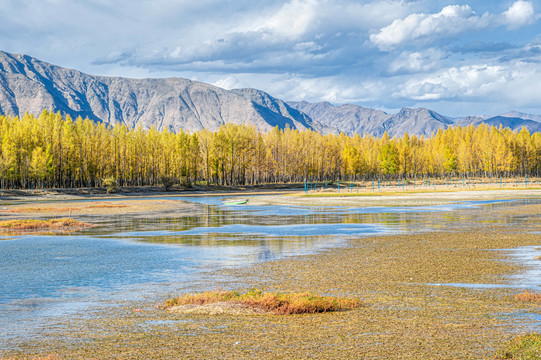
x=268 y=196
x=404 y=316
x=131 y=192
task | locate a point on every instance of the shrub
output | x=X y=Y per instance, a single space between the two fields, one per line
x=528 y=297
x=168 y=182
x=32 y=224
x=523 y=347
x=111 y=184
x=284 y=304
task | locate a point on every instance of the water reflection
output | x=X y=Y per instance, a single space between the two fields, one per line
x=302 y=221
x=133 y=256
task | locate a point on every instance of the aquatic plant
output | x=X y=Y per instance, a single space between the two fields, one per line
x=527 y=296
x=273 y=302
x=523 y=347
x=33 y=224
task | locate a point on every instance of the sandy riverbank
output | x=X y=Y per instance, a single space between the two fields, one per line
x=394 y=198
x=136 y=192
x=390 y=196
x=103 y=207
x=406 y=315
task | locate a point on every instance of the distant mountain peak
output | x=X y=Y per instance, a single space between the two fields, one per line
x=354 y=119
x=30 y=85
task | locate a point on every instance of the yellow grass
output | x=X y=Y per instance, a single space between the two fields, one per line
x=33 y=224
x=48 y=357
x=277 y=303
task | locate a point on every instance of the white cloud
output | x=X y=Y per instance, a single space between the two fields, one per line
x=450 y=21
x=292 y=20
x=454 y=82
x=411 y=62
x=296 y=49
x=519 y=14
x=514 y=83
x=228 y=82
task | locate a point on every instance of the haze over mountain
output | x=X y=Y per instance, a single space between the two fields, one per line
x=355 y=119
x=507 y=120
x=31 y=85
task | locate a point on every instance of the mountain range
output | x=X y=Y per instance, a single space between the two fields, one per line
x=30 y=85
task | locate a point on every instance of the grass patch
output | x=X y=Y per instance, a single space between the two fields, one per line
x=368 y=192
x=277 y=303
x=523 y=347
x=33 y=224
x=101 y=206
x=48 y=357
x=40 y=209
x=63 y=209
x=528 y=297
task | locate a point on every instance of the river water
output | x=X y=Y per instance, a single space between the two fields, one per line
x=132 y=258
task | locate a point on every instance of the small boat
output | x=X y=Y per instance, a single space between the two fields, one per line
x=235 y=202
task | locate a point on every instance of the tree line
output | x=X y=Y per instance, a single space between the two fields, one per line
x=55 y=151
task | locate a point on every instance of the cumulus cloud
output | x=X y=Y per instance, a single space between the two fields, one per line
x=474 y=81
x=450 y=21
x=292 y=20
x=416 y=61
x=295 y=49
x=519 y=14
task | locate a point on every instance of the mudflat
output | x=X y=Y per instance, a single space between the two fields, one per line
x=425 y=296
x=394 y=197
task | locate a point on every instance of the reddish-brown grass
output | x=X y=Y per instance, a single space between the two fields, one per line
x=277 y=303
x=32 y=224
x=106 y=206
x=528 y=297
x=40 y=209
x=48 y=357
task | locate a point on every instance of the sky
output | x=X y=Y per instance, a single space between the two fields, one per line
x=455 y=57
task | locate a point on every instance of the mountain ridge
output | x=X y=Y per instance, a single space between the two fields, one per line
x=31 y=85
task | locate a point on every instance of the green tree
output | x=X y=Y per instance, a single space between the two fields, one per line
x=388 y=159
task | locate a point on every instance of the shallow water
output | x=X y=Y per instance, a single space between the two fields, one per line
x=137 y=257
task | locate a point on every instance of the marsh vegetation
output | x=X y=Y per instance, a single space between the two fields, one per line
x=271 y=302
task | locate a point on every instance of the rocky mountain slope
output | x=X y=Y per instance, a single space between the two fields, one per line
x=354 y=119
x=31 y=85
x=512 y=120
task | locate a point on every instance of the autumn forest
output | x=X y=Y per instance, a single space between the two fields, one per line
x=52 y=151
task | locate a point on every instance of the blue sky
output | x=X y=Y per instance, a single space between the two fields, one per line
x=455 y=57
